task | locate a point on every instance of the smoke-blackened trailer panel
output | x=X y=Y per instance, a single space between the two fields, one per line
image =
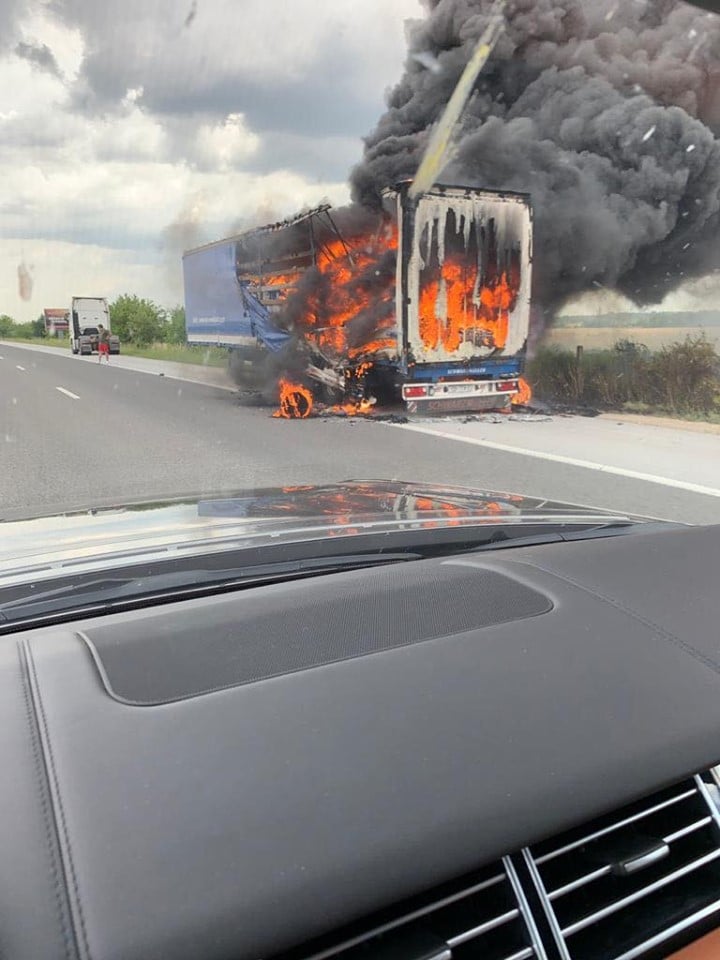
x=464 y=275
x=427 y=300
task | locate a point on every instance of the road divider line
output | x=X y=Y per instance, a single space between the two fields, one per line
x=18 y=367
x=560 y=458
x=68 y=393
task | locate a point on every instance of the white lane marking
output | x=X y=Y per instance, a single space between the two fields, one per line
x=66 y=354
x=73 y=396
x=17 y=365
x=559 y=458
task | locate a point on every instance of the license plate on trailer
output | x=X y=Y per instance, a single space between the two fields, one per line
x=467 y=390
x=457 y=404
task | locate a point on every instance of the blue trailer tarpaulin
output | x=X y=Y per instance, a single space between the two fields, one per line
x=217 y=309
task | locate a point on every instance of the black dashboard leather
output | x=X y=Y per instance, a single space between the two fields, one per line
x=239 y=822
x=170 y=655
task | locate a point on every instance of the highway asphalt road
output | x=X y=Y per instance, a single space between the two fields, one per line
x=74 y=433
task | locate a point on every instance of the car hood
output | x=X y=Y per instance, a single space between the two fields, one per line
x=115 y=535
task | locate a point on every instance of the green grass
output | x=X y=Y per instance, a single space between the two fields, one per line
x=681 y=380
x=178 y=353
x=59 y=344
x=174 y=352
x=651 y=410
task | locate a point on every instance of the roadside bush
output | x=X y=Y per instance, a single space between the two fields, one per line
x=138 y=320
x=553 y=374
x=175 y=329
x=683 y=377
x=142 y=322
x=604 y=381
x=34 y=329
x=7 y=325
x=23 y=331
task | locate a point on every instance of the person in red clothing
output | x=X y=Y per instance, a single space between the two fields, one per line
x=103 y=343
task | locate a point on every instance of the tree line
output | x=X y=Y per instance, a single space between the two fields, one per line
x=134 y=319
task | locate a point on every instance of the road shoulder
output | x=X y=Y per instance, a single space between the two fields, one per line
x=189 y=372
x=673 y=423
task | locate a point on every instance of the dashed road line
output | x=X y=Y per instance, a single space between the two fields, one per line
x=68 y=393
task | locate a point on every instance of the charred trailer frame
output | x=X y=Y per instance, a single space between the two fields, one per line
x=453 y=319
x=462 y=295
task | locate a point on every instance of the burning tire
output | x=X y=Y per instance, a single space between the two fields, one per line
x=296 y=401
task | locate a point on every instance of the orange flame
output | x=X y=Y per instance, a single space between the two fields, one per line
x=480 y=319
x=352 y=409
x=296 y=401
x=524 y=395
x=360 y=405
x=373 y=346
x=345 y=293
x=282 y=279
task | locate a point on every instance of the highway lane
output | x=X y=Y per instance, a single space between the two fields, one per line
x=76 y=433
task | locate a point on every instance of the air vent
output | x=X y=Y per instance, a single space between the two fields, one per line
x=485 y=916
x=629 y=882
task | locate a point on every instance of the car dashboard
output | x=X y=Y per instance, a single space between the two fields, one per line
x=508 y=756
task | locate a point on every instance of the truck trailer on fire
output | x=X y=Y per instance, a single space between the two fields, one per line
x=425 y=301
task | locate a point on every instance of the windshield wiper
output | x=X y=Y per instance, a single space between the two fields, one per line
x=112 y=593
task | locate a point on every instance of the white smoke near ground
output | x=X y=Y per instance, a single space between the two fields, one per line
x=606 y=112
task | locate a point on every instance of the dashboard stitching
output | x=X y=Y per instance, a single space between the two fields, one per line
x=59 y=802
x=50 y=827
x=619 y=605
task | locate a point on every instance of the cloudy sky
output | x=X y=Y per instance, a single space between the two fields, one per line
x=130 y=129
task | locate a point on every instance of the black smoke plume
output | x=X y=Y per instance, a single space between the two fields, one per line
x=605 y=111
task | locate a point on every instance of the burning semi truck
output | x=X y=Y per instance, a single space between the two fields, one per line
x=426 y=301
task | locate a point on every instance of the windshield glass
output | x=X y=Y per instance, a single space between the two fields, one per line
x=251 y=249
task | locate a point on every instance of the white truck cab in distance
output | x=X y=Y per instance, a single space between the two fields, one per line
x=86 y=315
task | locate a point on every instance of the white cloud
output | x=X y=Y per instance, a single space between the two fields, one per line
x=225 y=145
x=65 y=42
x=103 y=194
x=597 y=303
x=233 y=53
x=63 y=270
x=140 y=230
x=702 y=293
x=132 y=136
x=25 y=90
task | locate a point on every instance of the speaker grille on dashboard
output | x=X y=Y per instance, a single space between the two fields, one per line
x=280 y=628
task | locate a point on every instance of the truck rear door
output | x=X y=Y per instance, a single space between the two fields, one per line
x=464 y=275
